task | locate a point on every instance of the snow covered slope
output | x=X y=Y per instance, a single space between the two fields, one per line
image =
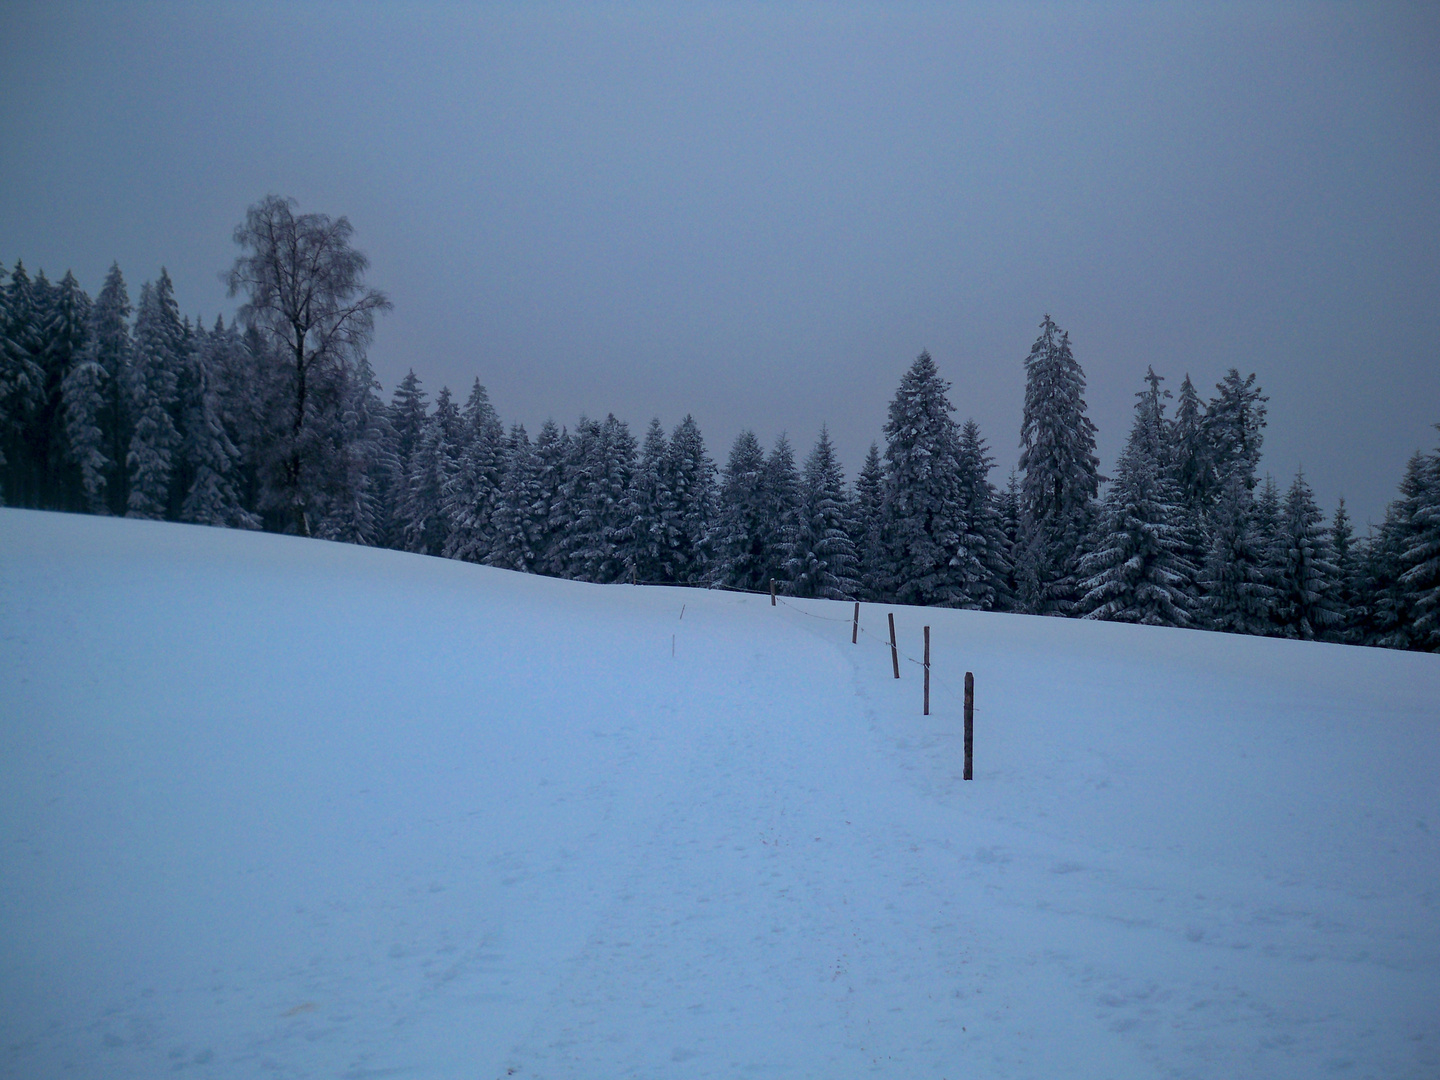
x=280 y=807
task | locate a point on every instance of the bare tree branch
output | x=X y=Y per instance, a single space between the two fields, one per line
x=306 y=295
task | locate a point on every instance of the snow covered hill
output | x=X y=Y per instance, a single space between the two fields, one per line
x=287 y=808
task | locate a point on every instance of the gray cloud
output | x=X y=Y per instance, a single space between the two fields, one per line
x=760 y=216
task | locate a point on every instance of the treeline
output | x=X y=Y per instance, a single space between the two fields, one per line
x=274 y=423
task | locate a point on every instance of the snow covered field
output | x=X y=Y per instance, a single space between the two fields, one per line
x=276 y=807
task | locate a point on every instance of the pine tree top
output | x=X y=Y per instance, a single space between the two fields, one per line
x=1061 y=470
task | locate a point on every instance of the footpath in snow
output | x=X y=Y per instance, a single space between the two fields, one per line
x=277 y=807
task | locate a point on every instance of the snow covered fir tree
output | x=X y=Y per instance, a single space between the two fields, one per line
x=275 y=421
x=1061 y=476
x=1137 y=570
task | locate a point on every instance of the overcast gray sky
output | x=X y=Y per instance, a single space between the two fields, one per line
x=761 y=214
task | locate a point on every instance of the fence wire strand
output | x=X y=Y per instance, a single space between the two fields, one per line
x=883 y=642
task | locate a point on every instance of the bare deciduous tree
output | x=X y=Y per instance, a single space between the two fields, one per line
x=307 y=297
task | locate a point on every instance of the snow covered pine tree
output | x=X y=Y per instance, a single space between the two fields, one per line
x=1060 y=475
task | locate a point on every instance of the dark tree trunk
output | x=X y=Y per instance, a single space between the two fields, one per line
x=302 y=521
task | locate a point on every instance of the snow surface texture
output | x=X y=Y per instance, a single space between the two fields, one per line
x=280 y=807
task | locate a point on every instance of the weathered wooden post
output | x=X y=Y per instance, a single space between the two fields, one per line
x=855 y=629
x=927 y=671
x=772 y=592
x=894 y=652
x=969 y=726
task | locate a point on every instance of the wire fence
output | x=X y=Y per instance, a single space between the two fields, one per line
x=883 y=642
x=789 y=602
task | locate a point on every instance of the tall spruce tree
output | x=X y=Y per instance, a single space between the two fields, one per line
x=7 y=389
x=154 y=399
x=1008 y=510
x=22 y=387
x=604 y=453
x=822 y=559
x=739 y=540
x=1236 y=594
x=690 y=478
x=1193 y=469
x=1151 y=430
x=1137 y=570
x=1233 y=426
x=1420 y=559
x=519 y=525
x=589 y=510
x=1061 y=477
x=920 y=512
x=112 y=349
x=66 y=336
x=590 y=518
x=1304 y=603
x=1193 y=473
x=475 y=489
x=353 y=507
x=424 y=517
x=982 y=559
x=242 y=389
x=869 y=547
x=182 y=473
x=1266 y=513
x=654 y=529
x=208 y=454
x=85 y=392
x=782 y=505
x=408 y=414
x=1387 y=611
x=84 y=397
x=552 y=509
x=39 y=421
x=1344 y=553
x=572 y=522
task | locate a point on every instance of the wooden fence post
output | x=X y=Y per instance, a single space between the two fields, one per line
x=772 y=592
x=927 y=671
x=969 y=726
x=855 y=629
x=894 y=652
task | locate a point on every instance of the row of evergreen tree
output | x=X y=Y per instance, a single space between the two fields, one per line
x=158 y=417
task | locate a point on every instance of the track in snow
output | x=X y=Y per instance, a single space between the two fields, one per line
x=285 y=807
